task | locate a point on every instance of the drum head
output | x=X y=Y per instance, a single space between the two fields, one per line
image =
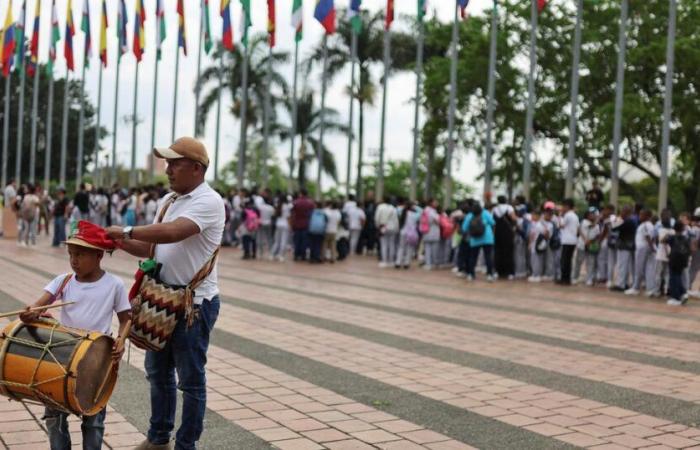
x=93 y=369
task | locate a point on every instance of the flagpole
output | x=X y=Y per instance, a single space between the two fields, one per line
x=452 y=111
x=527 y=146
x=114 y=123
x=6 y=130
x=668 y=104
x=134 y=123
x=243 y=145
x=387 y=69
x=96 y=152
x=218 y=116
x=322 y=131
x=64 y=128
x=491 y=99
x=177 y=70
x=267 y=110
x=573 y=117
x=619 y=94
x=151 y=171
x=49 y=136
x=20 y=123
x=81 y=132
x=416 y=114
x=35 y=119
x=294 y=114
x=199 y=68
x=351 y=115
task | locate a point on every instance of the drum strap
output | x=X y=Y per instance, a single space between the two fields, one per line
x=59 y=292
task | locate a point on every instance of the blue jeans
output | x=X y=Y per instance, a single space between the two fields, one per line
x=59 y=230
x=301 y=243
x=93 y=428
x=676 y=288
x=315 y=244
x=186 y=353
x=474 y=257
x=249 y=246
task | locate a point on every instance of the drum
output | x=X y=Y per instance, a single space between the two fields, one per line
x=62 y=368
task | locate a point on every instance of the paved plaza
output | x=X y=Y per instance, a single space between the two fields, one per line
x=349 y=356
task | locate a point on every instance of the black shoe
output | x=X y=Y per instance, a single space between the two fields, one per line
x=617 y=289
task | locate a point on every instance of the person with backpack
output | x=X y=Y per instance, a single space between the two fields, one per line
x=317 y=233
x=569 y=238
x=429 y=227
x=356 y=221
x=479 y=224
x=662 y=229
x=386 y=219
x=283 y=209
x=29 y=215
x=521 y=255
x=606 y=256
x=408 y=236
x=590 y=235
x=644 y=255
x=299 y=221
x=678 y=261
x=552 y=222
x=541 y=231
x=59 y=213
x=624 y=229
x=248 y=229
x=333 y=219
x=504 y=215
x=264 y=235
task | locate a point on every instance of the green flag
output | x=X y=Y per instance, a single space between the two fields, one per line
x=422 y=7
x=207 y=28
x=55 y=37
x=297 y=20
x=245 y=20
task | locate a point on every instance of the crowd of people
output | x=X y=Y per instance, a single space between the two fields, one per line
x=628 y=249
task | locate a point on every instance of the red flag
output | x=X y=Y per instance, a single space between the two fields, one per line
x=271 y=23
x=541 y=4
x=389 y=14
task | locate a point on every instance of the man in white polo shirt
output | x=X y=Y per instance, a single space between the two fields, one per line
x=186 y=238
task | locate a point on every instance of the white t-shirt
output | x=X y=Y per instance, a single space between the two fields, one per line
x=569 y=228
x=149 y=210
x=589 y=230
x=333 y=217
x=94 y=302
x=283 y=220
x=663 y=250
x=434 y=220
x=356 y=216
x=644 y=230
x=182 y=260
x=266 y=213
x=503 y=209
x=536 y=228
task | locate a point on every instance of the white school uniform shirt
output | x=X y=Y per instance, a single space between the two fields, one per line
x=536 y=228
x=569 y=228
x=266 y=213
x=644 y=230
x=589 y=230
x=283 y=220
x=182 y=260
x=355 y=217
x=333 y=217
x=94 y=302
x=663 y=250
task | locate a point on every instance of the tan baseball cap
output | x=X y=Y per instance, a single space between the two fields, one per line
x=184 y=147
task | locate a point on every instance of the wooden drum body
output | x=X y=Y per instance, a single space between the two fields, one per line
x=62 y=368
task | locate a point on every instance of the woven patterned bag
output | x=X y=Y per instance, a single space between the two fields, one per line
x=157 y=307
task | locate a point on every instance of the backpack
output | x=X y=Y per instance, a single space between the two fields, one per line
x=477 y=227
x=317 y=223
x=679 y=256
x=541 y=244
x=424 y=224
x=252 y=221
x=555 y=240
x=28 y=209
x=411 y=236
x=447 y=227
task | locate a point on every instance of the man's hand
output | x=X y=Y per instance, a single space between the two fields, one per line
x=115 y=232
x=28 y=315
x=117 y=351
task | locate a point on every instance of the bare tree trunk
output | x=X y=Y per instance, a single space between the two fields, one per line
x=360 y=152
x=302 y=163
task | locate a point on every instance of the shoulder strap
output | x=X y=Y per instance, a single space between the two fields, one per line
x=58 y=293
x=163 y=210
x=198 y=278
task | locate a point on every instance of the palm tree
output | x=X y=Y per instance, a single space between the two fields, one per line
x=258 y=54
x=308 y=125
x=370 y=46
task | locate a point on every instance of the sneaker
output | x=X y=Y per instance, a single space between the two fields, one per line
x=651 y=294
x=511 y=277
x=460 y=274
x=382 y=265
x=470 y=278
x=632 y=291
x=490 y=278
x=455 y=270
x=609 y=285
x=674 y=302
x=534 y=279
x=147 y=445
x=427 y=267
x=589 y=283
x=617 y=289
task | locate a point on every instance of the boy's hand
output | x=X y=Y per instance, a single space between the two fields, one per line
x=117 y=351
x=28 y=315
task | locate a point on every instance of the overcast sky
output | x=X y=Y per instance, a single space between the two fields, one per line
x=399 y=139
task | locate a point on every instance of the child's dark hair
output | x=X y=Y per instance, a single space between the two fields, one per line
x=679 y=226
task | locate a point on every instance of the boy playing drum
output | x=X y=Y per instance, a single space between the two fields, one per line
x=96 y=295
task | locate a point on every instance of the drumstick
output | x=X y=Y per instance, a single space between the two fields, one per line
x=119 y=341
x=36 y=308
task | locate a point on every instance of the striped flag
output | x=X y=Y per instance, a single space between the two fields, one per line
x=325 y=14
x=354 y=16
x=34 y=45
x=181 y=36
x=271 y=22
x=208 y=43
x=389 y=14
x=422 y=9
x=160 y=19
x=19 y=34
x=122 y=21
x=463 y=7
x=55 y=37
x=103 y=34
x=8 y=41
x=70 y=32
x=227 y=34
x=139 y=34
x=298 y=20
x=85 y=28
x=245 y=20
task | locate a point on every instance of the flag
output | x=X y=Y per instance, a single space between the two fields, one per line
x=34 y=46
x=227 y=35
x=463 y=7
x=181 y=37
x=207 y=28
x=122 y=20
x=325 y=14
x=245 y=20
x=19 y=34
x=70 y=32
x=271 y=23
x=354 y=16
x=85 y=28
x=297 y=20
x=55 y=37
x=422 y=9
x=103 y=34
x=389 y=14
x=139 y=34
x=541 y=4
x=8 y=41
x=160 y=19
